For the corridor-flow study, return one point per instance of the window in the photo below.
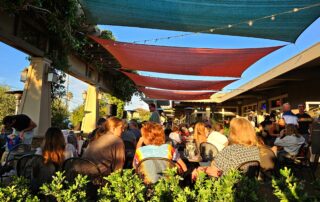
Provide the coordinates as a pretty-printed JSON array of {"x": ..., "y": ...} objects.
[{"x": 275, "y": 103}]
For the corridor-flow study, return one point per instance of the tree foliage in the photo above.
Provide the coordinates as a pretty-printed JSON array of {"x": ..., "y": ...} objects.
[
  {"x": 77, "y": 115},
  {"x": 144, "y": 115},
  {"x": 64, "y": 191},
  {"x": 7, "y": 102},
  {"x": 59, "y": 114}
]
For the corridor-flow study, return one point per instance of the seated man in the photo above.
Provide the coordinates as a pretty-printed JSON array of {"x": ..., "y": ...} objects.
[{"x": 22, "y": 125}]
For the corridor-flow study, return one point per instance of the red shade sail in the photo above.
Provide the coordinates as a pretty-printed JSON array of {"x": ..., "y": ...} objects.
[
  {"x": 175, "y": 95},
  {"x": 188, "y": 61},
  {"x": 176, "y": 84}
]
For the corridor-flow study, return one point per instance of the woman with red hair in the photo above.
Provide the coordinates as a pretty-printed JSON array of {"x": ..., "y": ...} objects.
[{"x": 153, "y": 138}]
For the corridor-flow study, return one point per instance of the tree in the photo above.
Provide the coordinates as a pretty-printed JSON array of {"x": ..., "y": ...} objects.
[
  {"x": 144, "y": 115},
  {"x": 59, "y": 114},
  {"x": 7, "y": 102},
  {"x": 111, "y": 100},
  {"x": 77, "y": 115}
]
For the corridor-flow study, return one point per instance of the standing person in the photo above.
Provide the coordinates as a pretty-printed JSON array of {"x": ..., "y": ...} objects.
[
  {"x": 288, "y": 116},
  {"x": 23, "y": 126},
  {"x": 127, "y": 134},
  {"x": 107, "y": 150},
  {"x": 133, "y": 127},
  {"x": 304, "y": 121},
  {"x": 155, "y": 117}
]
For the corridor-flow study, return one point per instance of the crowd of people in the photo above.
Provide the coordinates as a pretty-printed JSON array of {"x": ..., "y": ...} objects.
[{"x": 108, "y": 145}]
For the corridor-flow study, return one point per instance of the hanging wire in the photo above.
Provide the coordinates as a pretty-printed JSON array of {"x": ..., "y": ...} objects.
[{"x": 229, "y": 26}]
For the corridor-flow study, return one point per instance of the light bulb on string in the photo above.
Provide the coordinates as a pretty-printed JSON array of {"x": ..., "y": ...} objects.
[
  {"x": 250, "y": 23},
  {"x": 229, "y": 26},
  {"x": 295, "y": 9},
  {"x": 273, "y": 18},
  {"x": 211, "y": 30}
]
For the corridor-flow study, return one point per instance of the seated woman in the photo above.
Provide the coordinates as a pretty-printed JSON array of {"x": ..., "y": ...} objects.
[
  {"x": 54, "y": 152},
  {"x": 107, "y": 150},
  {"x": 200, "y": 133},
  {"x": 290, "y": 141},
  {"x": 243, "y": 147},
  {"x": 154, "y": 139},
  {"x": 217, "y": 138},
  {"x": 175, "y": 135},
  {"x": 54, "y": 148}
]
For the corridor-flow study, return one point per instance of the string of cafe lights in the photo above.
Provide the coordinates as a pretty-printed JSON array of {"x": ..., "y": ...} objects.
[{"x": 229, "y": 26}]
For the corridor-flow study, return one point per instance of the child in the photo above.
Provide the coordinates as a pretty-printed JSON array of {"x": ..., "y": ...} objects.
[{"x": 11, "y": 141}]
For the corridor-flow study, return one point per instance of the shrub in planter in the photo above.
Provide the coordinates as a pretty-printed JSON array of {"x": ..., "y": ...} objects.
[
  {"x": 17, "y": 190},
  {"x": 168, "y": 189},
  {"x": 123, "y": 186},
  {"x": 62, "y": 191},
  {"x": 288, "y": 188}
]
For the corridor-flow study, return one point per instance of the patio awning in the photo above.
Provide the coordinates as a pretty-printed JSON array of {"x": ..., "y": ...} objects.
[
  {"x": 201, "y": 16},
  {"x": 176, "y": 95},
  {"x": 177, "y": 84},
  {"x": 187, "y": 61}
]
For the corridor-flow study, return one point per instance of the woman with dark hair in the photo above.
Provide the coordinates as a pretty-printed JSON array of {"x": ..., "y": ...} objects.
[
  {"x": 54, "y": 147},
  {"x": 107, "y": 150},
  {"x": 154, "y": 140}
]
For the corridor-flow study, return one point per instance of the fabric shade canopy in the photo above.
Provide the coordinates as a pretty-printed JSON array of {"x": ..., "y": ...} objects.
[
  {"x": 175, "y": 95},
  {"x": 176, "y": 84},
  {"x": 199, "y": 16},
  {"x": 187, "y": 61}
]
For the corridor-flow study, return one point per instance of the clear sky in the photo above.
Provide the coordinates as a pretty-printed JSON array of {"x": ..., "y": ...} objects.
[{"x": 12, "y": 61}]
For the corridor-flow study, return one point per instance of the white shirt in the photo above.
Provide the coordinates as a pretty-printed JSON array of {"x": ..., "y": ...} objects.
[
  {"x": 290, "y": 118},
  {"x": 290, "y": 143},
  {"x": 217, "y": 139},
  {"x": 176, "y": 137}
]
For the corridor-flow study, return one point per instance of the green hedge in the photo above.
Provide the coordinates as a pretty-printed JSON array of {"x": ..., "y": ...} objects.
[{"x": 126, "y": 186}]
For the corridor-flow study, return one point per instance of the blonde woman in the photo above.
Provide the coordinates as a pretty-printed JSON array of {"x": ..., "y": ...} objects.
[
  {"x": 200, "y": 133},
  {"x": 243, "y": 146}
]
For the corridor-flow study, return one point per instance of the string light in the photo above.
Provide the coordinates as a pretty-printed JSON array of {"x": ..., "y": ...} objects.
[{"x": 250, "y": 23}]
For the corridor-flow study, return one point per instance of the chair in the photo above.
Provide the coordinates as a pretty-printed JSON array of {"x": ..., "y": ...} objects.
[
  {"x": 250, "y": 168},
  {"x": 130, "y": 151},
  {"x": 300, "y": 161},
  {"x": 22, "y": 163},
  {"x": 14, "y": 154},
  {"x": 75, "y": 166},
  {"x": 208, "y": 151},
  {"x": 34, "y": 168},
  {"x": 151, "y": 169}
]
